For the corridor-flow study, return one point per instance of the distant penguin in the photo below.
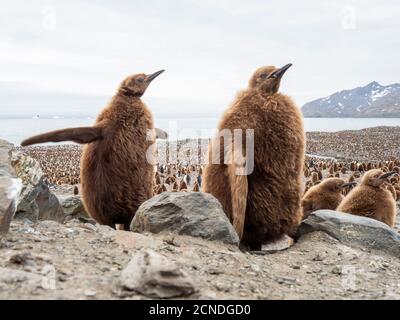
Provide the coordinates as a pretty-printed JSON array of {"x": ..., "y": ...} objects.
[
  {"x": 325, "y": 195},
  {"x": 170, "y": 180},
  {"x": 314, "y": 177},
  {"x": 182, "y": 185},
  {"x": 187, "y": 179},
  {"x": 199, "y": 180},
  {"x": 115, "y": 172},
  {"x": 157, "y": 179},
  {"x": 196, "y": 187},
  {"x": 371, "y": 198},
  {"x": 263, "y": 204}
]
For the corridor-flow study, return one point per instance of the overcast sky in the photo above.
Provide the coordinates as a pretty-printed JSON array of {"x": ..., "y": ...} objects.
[{"x": 209, "y": 48}]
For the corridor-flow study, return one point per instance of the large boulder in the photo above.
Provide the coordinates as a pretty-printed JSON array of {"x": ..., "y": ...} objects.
[
  {"x": 353, "y": 230},
  {"x": 195, "y": 214},
  {"x": 10, "y": 187},
  {"x": 36, "y": 202}
]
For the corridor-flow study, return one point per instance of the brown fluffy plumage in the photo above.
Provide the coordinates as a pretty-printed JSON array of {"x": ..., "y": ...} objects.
[
  {"x": 115, "y": 173},
  {"x": 264, "y": 205},
  {"x": 371, "y": 198},
  {"x": 325, "y": 195}
]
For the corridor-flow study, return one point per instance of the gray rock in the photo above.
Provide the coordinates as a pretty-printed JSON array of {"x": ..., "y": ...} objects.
[
  {"x": 36, "y": 202},
  {"x": 10, "y": 187},
  {"x": 10, "y": 276},
  {"x": 353, "y": 230},
  {"x": 195, "y": 214},
  {"x": 73, "y": 207},
  {"x": 155, "y": 276}
]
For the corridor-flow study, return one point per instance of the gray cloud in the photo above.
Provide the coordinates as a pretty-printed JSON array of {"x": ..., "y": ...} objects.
[{"x": 209, "y": 48}]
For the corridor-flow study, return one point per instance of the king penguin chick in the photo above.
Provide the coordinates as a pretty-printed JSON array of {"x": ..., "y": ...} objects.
[
  {"x": 261, "y": 201},
  {"x": 325, "y": 195},
  {"x": 116, "y": 173},
  {"x": 371, "y": 198}
]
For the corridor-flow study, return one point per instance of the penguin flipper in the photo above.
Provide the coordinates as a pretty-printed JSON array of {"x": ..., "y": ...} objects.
[{"x": 79, "y": 135}]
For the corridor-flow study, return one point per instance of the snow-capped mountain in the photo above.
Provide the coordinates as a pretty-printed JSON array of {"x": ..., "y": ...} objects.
[{"x": 373, "y": 100}]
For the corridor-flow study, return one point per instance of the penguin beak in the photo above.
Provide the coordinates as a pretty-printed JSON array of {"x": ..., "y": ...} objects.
[
  {"x": 350, "y": 184},
  {"x": 277, "y": 74},
  {"x": 154, "y": 75},
  {"x": 387, "y": 175}
]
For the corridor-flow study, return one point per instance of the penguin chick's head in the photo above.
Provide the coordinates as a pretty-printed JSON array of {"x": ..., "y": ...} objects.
[
  {"x": 376, "y": 177},
  {"x": 137, "y": 84},
  {"x": 335, "y": 184},
  {"x": 267, "y": 79}
]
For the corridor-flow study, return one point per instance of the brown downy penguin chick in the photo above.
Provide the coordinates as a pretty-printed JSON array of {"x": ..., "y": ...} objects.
[
  {"x": 158, "y": 179},
  {"x": 314, "y": 177},
  {"x": 116, "y": 175},
  {"x": 182, "y": 185},
  {"x": 263, "y": 204},
  {"x": 371, "y": 198},
  {"x": 325, "y": 195},
  {"x": 196, "y": 187}
]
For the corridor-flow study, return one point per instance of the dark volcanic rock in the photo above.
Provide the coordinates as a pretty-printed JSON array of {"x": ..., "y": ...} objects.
[
  {"x": 353, "y": 230},
  {"x": 195, "y": 214}
]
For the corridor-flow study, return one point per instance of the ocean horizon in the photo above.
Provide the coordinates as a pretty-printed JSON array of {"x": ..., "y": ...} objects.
[{"x": 15, "y": 129}]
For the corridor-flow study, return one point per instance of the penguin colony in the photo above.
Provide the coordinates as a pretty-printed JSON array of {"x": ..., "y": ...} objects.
[{"x": 326, "y": 183}]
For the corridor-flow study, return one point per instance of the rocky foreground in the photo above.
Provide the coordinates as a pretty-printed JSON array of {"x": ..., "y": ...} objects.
[
  {"x": 182, "y": 246},
  {"x": 77, "y": 260}
]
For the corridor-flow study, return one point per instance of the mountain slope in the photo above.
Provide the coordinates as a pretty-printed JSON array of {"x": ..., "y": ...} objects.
[{"x": 372, "y": 100}]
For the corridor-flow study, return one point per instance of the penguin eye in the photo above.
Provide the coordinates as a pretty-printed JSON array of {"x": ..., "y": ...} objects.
[
  {"x": 140, "y": 80},
  {"x": 263, "y": 76}
]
